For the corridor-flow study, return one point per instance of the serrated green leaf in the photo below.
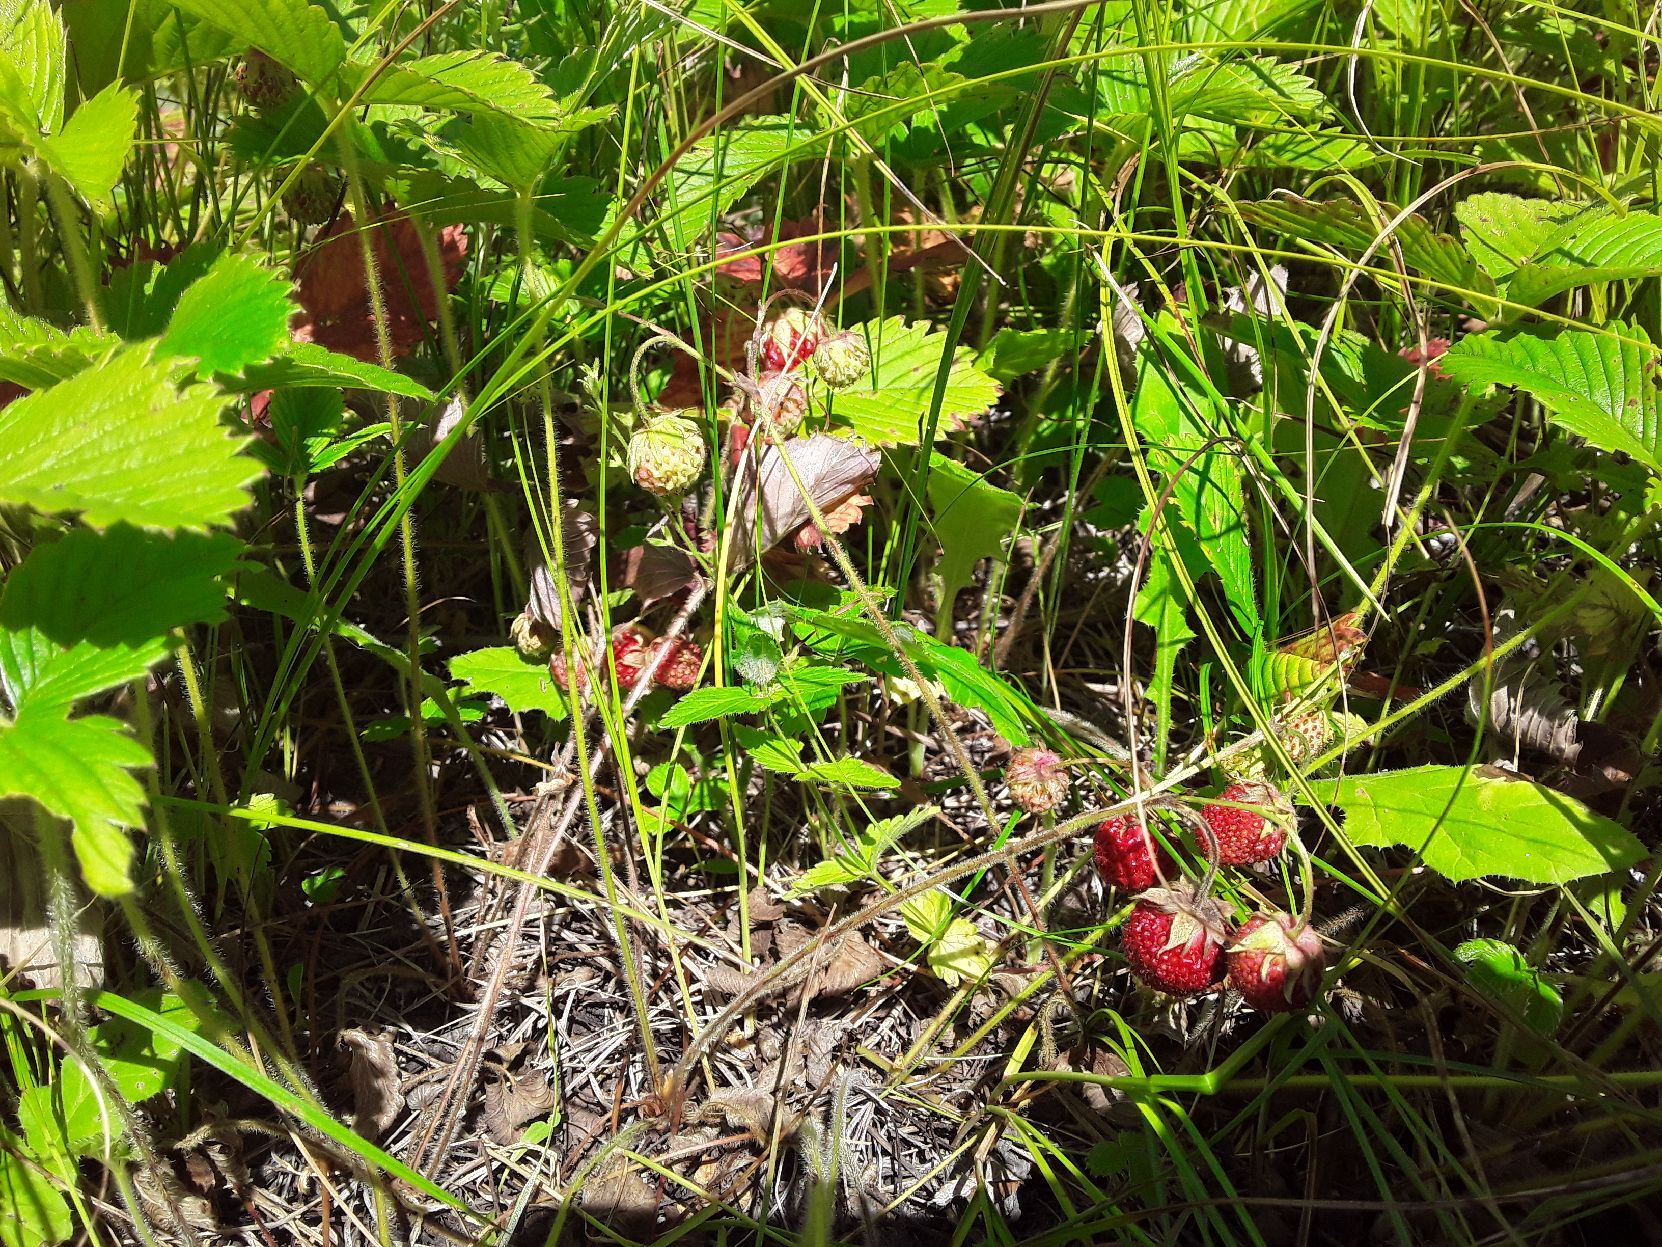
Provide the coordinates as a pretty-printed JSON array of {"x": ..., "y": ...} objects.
[
  {"x": 971, "y": 518},
  {"x": 709, "y": 179},
  {"x": 94, "y": 145},
  {"x": 704, "y": 704},
  {"x": 1586, "y": 252},
  {"x": 1596, "y": 385},
  {"x": 299, "y": 35},
  {"x": 32, "y": 50},
  {"x": 124, "y": 444},
  {"x": 773, "y": 753},
  {"x": 37, "y": 1214},
  {"x": 462, "y": 81},
  {"x": 834, "y": 872},
  {"x": 36, "y": 355},
  {"x": 523, "y": 686},
  {"x": 1500, "y": 972},
  {"x": 124, "y": 586},
  {"x": 1172, "y": 419},
  {"x": 849, "y": 771},
  {"x": 237, "y": 314},
  {"x": 307, "y": 364},
  {"x": 1467, "y": 824},
  {"x": 1319, "y": 150},
  {"x": 78, "y": 769},
  {"x": 889, "y": 406},
  {"x": 1504, "y": 232}
]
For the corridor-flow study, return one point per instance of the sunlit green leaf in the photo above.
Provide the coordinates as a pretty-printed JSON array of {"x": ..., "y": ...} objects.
[{"x": 1469, "y": 823}]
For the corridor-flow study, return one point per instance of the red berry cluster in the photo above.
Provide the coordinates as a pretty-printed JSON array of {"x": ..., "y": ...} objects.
[
  {"x": 1179, "y": 942},
  {"x": 632, "y": 648}
]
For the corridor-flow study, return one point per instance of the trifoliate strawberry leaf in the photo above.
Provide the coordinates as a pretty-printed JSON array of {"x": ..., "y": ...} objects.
[
  {"x": 236, "y": 315},
  {"x": 889, "y": 406},
  {"x": 77, "y": 769},
  {"x": 1596, "y": 385},
  {"x": 123, "y": 443},
  {"x": 91, "y": 149},
  {"x": 1469, "y": 823},
  {"x": 522, "y": 685}
]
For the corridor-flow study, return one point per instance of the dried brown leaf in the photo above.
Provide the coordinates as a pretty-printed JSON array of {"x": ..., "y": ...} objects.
[
  {"x": 832, "y": 470},
  {"x": 618, "y": 1194},
  {"x": 376, "y": 1097},
  {"x": 513, "y": 1099}
]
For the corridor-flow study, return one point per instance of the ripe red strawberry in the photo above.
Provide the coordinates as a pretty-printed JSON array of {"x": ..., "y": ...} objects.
[
  {"x": 1126, "y": 855},
  {"x": 628, "y": 644},
  {"x": 680, "y": 669},
  {"x": 1247, "y": 835},
  {"x": 1276, "y": 963},
  {"x": 1174, "y": 942},
  {"x": 792, "y": 337}
]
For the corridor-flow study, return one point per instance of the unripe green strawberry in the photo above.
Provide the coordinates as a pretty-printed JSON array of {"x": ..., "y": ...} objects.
[
  {"x": 780, "y": 406},
  {"x": 1247, "y": 835},
  {"x": 1174, "y": 941},
  {"x": 791, "y": 338},
  {"x": 1126, "y": 855},
  {"x": 313, "y": 198},
  {"x": 264, "y": 83},
  {"x": 534, "y": 639},
  {"x": 666, "y": 454},
  {"x": 1276, "y": 963},
  {"x": 842, "y": 359},
  {"x": 1037, "y": 779},
  {"x": 1305, "y": 735}
]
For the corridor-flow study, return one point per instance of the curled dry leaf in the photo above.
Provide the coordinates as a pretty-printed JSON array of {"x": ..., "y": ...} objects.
[
  {"x": 465, "y": 466},
  {"x": 514, "y": 1099},
  {"x": 376, "y": 1097},
  {"x": 1246, "y": 369},
  {"x": 796, "y": 265},
  {"x": 579, "y": 534},
  {"x": 833, "y": 470},
  {"x": 334, "y": 294}
]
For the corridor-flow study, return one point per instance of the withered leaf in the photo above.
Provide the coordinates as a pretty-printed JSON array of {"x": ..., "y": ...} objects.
[
  {"x": 513, "y": 1099},
  {"x": 831, "y": 470},
  {"x": 619, "y": 1195},
  {"x": 579, "y": 534},
  {"x": 376, "y": 1097}
]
